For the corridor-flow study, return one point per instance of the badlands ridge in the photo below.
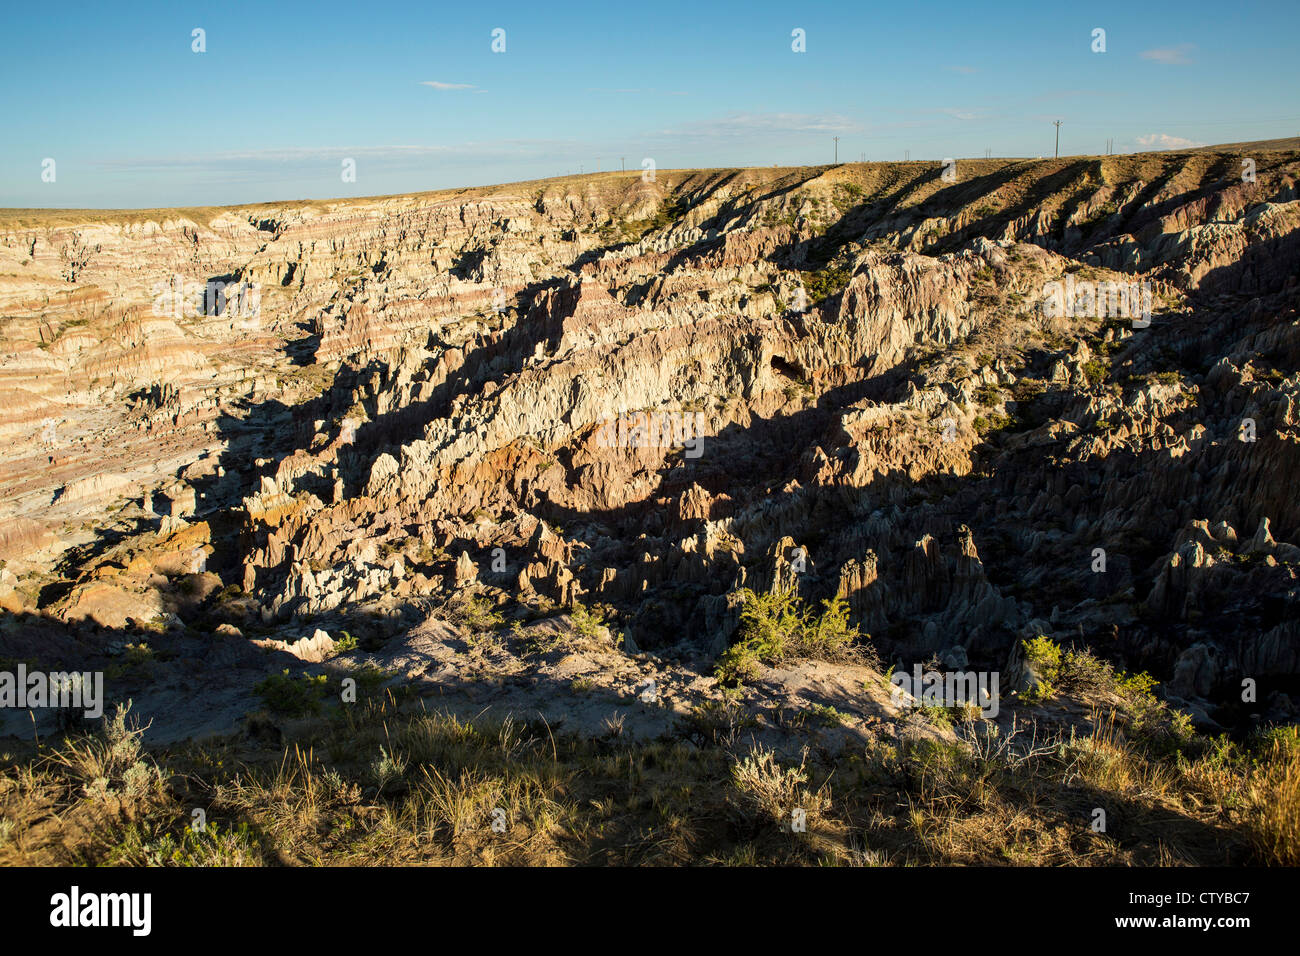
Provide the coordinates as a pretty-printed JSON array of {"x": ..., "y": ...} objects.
[{"x": 599, "y": 392}]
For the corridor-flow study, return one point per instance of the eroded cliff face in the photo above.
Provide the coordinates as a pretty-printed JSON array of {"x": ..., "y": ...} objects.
[{"x": 860, "y": 380}]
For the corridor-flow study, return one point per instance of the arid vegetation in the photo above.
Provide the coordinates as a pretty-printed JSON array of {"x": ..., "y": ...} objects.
[{"x": 388, "y": 782}]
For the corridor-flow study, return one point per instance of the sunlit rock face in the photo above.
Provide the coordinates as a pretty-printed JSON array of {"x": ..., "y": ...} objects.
[{"x": 1049, "y": 398}]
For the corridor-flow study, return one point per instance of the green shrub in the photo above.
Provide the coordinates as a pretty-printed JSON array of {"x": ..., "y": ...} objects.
[
  {"x": 827, "y": 716},
  {"x": 776, "y": 626},
  {"x": 1095, "y": 371},
  {"x": 1044, "y": 659},
  {"x": 991, "y": 423},
  {"x": 633, "y": 229},
  {"x": 831, "y": 633},
  {"x": 824, "y": 283},
  {"x": 846, "y": 196},
  {"x": 1266, "y": 740},
  {"x": 1081, "y": 672},
  {"x": 937, "y": 716},
  {"x": 1028, "y": 389},
  {"x": 478, "y": 615},
  {"x": 293, "y": 697},
  {"x": 587, "y": 622},
  {"x": 212, "y": 846}
]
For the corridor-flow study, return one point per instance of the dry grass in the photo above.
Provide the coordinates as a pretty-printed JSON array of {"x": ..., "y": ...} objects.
[
  {"x": 384, "y": 782},
  {"x": 771, "y": 792},
  {"x": 1274, "y": 799}
]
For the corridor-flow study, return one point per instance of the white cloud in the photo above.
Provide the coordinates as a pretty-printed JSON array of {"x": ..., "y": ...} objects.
[
  {"x": 1165, "y": 141},
  {"x": 437, "y": 85},
  {"x": 1170, "y": 55}
]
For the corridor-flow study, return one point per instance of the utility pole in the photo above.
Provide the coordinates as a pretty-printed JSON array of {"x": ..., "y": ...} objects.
[
  {"x": 864, "y": 157},
  {"x": 837, "y": 148},
  {"x": 907, "y": 155},
  {"x": 623, "y": 162},
  {"x": 1057, "y": 124},
  {"x": 988, "y": 153}
]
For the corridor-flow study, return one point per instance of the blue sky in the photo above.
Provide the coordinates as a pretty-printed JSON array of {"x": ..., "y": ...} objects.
[{"x": 285, "y": 92}]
